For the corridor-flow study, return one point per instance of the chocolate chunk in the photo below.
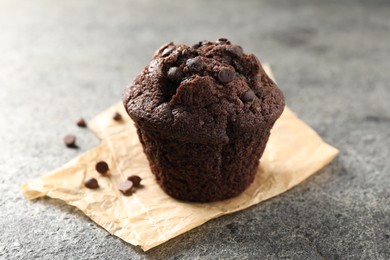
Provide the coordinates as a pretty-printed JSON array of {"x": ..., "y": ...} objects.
[
  {"x": 101, "y": 167},
  {"x": 91, "y": 183},
  {"x": 167, "y": 51},
  {"x": 70, "y": 141},
  {"x": 135, "y": 179},
  {"x": 117, "y": 116},
  {"x": 126, "y": 187},
  {"x": 236, "y": 50},
  {"x": 195, "y": 64},
  {"x": 248, "y": 96},
  {"x": 81, "y": 122},
  {"x": 175, "y": 74},
  {"x": 225, "y": 75}
]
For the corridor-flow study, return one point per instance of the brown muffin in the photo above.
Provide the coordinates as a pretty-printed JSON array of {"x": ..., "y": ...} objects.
[{"x": 204, "y": 115}]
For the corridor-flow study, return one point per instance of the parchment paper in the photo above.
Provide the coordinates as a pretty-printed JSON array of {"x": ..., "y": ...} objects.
[{"x": 149, "y": 217}]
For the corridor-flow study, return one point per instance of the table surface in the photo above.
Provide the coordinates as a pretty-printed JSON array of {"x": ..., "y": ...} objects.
[{"x": 63, "y": 59}]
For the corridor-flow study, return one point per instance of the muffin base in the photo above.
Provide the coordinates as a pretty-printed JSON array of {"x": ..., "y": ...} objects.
[{"x": 205, "y": 172}]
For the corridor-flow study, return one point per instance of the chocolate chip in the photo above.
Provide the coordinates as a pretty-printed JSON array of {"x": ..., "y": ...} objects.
[
  {"x": 195, "y": 64},
  {"x": 236, "y": 50},
  {"x": 81, "y": 122},
  {"x": 248, "y": 96},
  {"x": 164, "y": 46},
  {"x": 101, "y": 167},
  {"x": 225, "y": 75},
  {"x": 91, "y": 183},
  {"x": 126, "y": 187},
  {"x": 70, "y": 141},
  {"x": 135, "y": 179},
  {"x": 223, "y": 41},
  {"x": 117, "y": 116},
  {"x": 175, "y": 74},
  {"x": 167, "y": 51},
  {"x": 197, "y": 45}
]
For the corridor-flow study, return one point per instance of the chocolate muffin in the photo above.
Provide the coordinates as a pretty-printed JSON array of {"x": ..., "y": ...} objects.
[{"x": 204, "y": 115}]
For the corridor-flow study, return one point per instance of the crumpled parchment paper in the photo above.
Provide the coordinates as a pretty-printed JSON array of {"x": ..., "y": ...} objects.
[{"x": 149, "y": 217}]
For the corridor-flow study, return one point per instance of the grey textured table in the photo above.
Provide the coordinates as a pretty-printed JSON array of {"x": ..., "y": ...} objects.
[{"x": 63, "y": 59}]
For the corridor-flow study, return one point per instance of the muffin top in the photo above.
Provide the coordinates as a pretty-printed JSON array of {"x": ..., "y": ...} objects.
[{"x": 200, "y": 93}]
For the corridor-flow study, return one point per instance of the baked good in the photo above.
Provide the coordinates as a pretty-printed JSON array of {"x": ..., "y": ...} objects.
[{"x": 204, "y": 115}]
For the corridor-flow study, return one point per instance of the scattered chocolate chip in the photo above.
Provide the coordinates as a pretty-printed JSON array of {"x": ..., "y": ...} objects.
[
  {"x": 117, "y": 116},
  {"x": 91, "y": 183},
  {"x": 225, "y": 75},
  {"x": 167, "y": 51},
  {"x": 135, "y": 179},
  {"x": 70, "y": 141},
  {"x": 81, "y": 122},
  {"x": 101, "y": 167},
  {"x": 126, "y": 187},
  {"x": 236, "y": 50},
  {"x": 175, "y": 74},
  {"x": 195, "y": 64},
  {"x": 248, "y": 96}
]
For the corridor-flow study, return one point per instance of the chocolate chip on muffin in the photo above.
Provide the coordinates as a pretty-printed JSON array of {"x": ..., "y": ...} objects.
[
  {"x": 195, "y": 64},
  {"x": 225, "y": 75},
  {"x": 248, "y": 96},
  {"x": 223, "y": 41},
  {"x": 175, "y": 74},
  {"x": 236, "y": 50},
  {"x": 167, "y": 51}
]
